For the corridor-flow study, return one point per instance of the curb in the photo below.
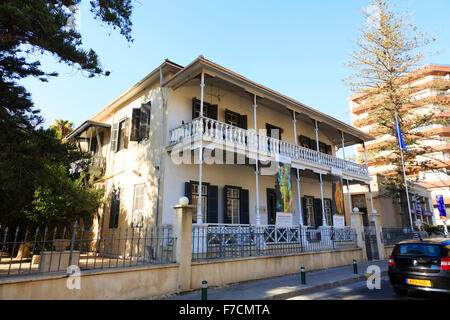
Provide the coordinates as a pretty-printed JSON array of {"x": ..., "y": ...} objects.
[{"x": 320, "y": 287}]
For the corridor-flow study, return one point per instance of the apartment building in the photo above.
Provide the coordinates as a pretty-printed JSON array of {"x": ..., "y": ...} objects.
[
  {"x": 432, "y": 83},
  {"x": 225, "y": 142}
]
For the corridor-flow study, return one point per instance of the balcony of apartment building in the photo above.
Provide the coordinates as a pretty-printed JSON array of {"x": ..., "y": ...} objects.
[
  {"x": 90, "y": 137},
  {"x": 270, "y": 141}
]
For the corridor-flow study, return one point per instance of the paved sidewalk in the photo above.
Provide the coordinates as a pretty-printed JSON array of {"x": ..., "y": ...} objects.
[{"x": 284, "y": 287}]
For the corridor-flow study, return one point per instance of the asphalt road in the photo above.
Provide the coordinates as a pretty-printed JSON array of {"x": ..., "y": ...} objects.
[{"x": 360, "y": 291}]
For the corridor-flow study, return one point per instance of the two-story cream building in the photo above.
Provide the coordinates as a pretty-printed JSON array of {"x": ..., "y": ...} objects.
[{"x": 210, "y": 134}]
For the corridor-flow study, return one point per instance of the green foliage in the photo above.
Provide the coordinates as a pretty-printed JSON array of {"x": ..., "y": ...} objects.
[
  {"x": 60, "y": 200},
  {"x": 390, "y": 48},
  {"x": 41, "y": 26}
]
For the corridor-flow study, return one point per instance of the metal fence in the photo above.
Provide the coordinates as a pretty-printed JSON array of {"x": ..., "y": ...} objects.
[
  {"x": 393, "y": 235},
  {"x": 221, "y": 241},
  {"x": 45, "y": 250}
]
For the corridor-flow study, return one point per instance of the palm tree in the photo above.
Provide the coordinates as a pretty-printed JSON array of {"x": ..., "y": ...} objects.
[{"x": 62, "y": 127}]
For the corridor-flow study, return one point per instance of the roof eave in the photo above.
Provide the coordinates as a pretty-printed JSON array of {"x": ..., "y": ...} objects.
[{"x": 201, "y": 64}]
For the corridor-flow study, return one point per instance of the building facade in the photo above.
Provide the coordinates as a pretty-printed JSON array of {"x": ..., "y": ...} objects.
[
  {"x": 432, "y": 83},
  {"x": 225, "y": 142}
]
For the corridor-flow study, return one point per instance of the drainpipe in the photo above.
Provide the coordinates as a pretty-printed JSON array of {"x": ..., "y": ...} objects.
[
  {"x": 300, "y": 214},
  {"x": 200, "y": 156},
  {"x": 367, "y": 168},
  {"x": 348, "y": 187}
]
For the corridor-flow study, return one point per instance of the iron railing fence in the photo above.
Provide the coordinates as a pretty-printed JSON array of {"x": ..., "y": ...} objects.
[
  {"x": 53, "y": 250},
  {"x": 222, "y": 241},
  {"x": 393, "y": 235}
]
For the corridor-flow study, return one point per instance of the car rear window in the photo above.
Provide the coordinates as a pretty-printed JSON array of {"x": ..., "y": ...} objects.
[{"x": 418, "y": 249}]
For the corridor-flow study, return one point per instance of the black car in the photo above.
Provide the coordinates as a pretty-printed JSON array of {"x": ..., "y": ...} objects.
[{"x": 420, "y": 265}]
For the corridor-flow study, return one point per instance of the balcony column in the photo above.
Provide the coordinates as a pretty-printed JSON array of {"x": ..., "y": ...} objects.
[
  {"x": 300, "y": 214},
  {"x": 200, "y": 156},
  {"x": 348, "y": 187},
  {"x": 370, "y": 189},
  {"x": 257, "y": 216},
  {"x": 99, "y": 143},
  {"x": 324, "y": 220}
]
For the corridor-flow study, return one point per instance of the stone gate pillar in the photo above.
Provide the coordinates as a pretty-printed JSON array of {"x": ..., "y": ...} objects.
[{"x": 374, "y": 217}]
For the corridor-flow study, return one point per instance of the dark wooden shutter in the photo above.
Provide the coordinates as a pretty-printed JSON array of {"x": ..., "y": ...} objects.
[
  {"x": 188, "y": 191},
  {"x": 94, "y": 144},
  {"x": 318, "y": 212},
  {"x": 226, "y": 218},
  {"x": 114, "y": 210},
  {"x": 195, "y": 108},
  {"x": 304, "y": 141},
  {"x": 322, "y": 147},
  {"x": 304, "y": 213},
  {"x": 244, "y": 217},
  {"x": 135, "y": 124},
  {"x": 114, "y": 136},
  {"x": 211, "y": 111},
  {"x": 212, "y": 215},
  {"x": 243, "y": 121},
  {"x": 144, "y": 121}
]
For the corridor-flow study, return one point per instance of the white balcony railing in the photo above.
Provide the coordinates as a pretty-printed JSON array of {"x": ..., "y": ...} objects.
[{"x": 219, "y": 132}]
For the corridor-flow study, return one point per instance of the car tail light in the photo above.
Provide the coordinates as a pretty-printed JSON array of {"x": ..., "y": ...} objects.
[
  {"x": 391, "y": 262},
  {"x": 445, "y": 264}
]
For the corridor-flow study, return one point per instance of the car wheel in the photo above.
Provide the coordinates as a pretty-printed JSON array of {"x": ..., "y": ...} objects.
[{"x": 400, "y": 291}]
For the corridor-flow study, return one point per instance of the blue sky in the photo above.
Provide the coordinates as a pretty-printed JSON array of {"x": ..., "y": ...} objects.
[{"x": 295, "y": 47}]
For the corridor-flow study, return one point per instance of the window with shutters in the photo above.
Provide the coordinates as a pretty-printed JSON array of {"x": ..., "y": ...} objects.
[
  {"x": 309, "y": 211},
  {"x": 114, "y": 209},
  {"x": 311, "y": 144},
  {"x": 235, "y": 119},
  {"x": 304, "y": 141},
  {"x": 322, "y": 147},
  {"x": 328, "y": 212},
  {"x": 273, "y": 131},
  {"x": 232, "y": 118},
  {"x": 233, "y": 205},
  {"x": 138, "y": 206},
  {"x": 195, "y": 195},
  {"x": 209, "y": 110},
  {"x": 144, "y": 128}
]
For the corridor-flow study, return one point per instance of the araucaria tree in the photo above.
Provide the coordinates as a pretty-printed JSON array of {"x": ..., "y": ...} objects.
[{"x": 385, "y": 65}]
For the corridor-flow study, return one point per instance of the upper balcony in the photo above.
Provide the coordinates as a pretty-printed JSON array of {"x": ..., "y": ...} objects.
[{"x": 213, "y": 134}]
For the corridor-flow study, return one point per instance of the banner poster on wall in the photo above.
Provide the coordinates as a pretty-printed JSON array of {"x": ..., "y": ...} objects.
[
  {"x": 441, "y": 207},
  {"x": 338, "y": 201},
  {"x": 283, "y": 188}
]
